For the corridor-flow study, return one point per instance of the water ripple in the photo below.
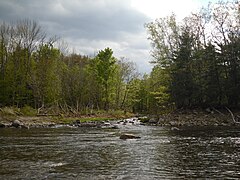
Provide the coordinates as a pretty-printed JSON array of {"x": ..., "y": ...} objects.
[{"x": 91, "y": 153}]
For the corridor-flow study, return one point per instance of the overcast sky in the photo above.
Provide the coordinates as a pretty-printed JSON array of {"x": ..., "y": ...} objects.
[{"x": 91, "y": 25}]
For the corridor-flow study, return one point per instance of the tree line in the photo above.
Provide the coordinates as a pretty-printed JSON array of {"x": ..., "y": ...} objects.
[
  {"x": 197, "y": 60},
  {"x": 35, "y": 73},
  {"x": 197, "y": 64}
]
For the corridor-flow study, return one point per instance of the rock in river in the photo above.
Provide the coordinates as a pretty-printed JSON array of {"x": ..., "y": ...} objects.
[
  {"x": 129, "y": 136},
  {"x": 16, "y": 123},
  {"x": 2, "y": 125},
  {"x": 174, "y": 129}
]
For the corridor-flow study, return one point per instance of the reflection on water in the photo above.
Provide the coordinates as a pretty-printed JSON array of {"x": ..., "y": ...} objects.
[{"x": 90, "y": 153}]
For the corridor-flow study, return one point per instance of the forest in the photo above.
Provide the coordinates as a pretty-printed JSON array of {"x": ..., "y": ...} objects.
[{"x": 196, "y": 64}]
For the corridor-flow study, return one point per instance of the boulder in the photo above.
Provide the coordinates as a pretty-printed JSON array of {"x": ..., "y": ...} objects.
[
  {"x": 77, "y": 121},
  {"x": 144, "y": 119},
  {"x": 124, "y": 123},
  {"x": 115, "y": 127},
  {"x": 107, "y": 124},
  {"x": 24, "y": 126},
  {"x": 174, "y": 129},
  {"x": 2, "y": 125},
  {"x": 16, "y": 123},
  {"x": 110, "y": 127},
  {"x": 129, "y": 136},
  {"x": 153, "y": 121},
  {"x": 51, "y": 125}
]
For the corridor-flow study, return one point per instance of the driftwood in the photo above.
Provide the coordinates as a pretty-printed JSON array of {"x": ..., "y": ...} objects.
[
  {"x": 218, "y": 111},
  {"x": 232, "y": 115},
  {"x": 39, "y": 109}
]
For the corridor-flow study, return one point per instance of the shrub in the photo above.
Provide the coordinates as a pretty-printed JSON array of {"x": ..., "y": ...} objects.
[{"x": 28, "y": 111}]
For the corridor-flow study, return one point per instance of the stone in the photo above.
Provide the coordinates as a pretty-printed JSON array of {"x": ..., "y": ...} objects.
[
  {"x": 51, "y": 125},
  {"x": 129, "y": 136},
  {"x": 153, "y": 120},
  {"x": 77, "y": 122},
  {"x": 24, "y": 127},
  {"x": 115, "y": 127},
  {"x": 2, "y": 125},
  {"x": 175, "y": 129},
  {"x": 16, "y": 123},
  {"x": 107, "y": 124}
]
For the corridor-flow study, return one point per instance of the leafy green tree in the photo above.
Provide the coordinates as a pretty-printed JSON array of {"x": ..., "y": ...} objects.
[
  {"x": 125, "y": 72},
  {"x": 17, "y": 78},
  {"x": 74, "y": 82},
  {"x": 105, "y": 67},
  {"x": 164, "y": 37},
  {"x": 159, "y": 91},
  {"x": 201, "y": 55},
  {"x": 46, "y": 80}
]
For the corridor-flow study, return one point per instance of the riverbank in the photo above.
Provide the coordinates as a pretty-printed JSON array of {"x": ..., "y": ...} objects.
[
  {"x": 11, "y": 118},
  {"x": 177, "y": 118},
  {"x": 195, "y": 117}
]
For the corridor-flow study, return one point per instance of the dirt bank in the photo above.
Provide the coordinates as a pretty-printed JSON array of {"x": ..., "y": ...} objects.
[
  {"x": 19, "y": 121},
  {"x": 177, "y": 118},
  {"x": 196, "y": 117}
]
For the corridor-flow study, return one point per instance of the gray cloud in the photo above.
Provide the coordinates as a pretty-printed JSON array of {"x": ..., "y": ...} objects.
[{"x": 87, "y": 25}]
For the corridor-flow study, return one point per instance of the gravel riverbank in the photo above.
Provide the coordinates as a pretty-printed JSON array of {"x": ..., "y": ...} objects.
[{"x": 178, "y": 118}]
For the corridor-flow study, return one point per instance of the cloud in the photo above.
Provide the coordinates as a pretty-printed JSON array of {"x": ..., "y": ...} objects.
[
  {"x": 156, "y": 8},
  {"x": 91, "y": 25},
  {"x": 87, "y": 25}
]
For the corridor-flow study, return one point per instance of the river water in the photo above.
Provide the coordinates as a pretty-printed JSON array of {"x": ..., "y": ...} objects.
[{"x": 94, "y": 153}]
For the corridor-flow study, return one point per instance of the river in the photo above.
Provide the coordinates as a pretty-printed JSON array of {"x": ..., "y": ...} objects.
[{"x": 94, "y": 153}]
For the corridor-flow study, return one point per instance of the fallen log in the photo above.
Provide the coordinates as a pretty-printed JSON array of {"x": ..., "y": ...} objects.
[{"x": 232, "y": 115}]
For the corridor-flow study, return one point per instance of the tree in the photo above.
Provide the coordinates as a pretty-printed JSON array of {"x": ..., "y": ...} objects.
[
  {"x": 18, "y": 42},
  {"x": 105, "y": 67},
  {"x": 76, "y": 91},
  {"x": 125, "y": 73},
  {"x": 4, "y": 57},
  {"x": 201, "y": 55},
  {"x": 164, "y": 37},
  {"x": 46, "y": 80},
  {"x": 159, "y": 90},
  {"x": 182, "y": 79}
]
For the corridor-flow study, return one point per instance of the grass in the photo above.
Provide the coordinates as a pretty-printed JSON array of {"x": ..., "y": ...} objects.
[
  {"x": 11, "y": 113},
  {"x": 28, "y": 111},
  {"x": 69, "y": 120},
  {"x": 83, "y": 119}
]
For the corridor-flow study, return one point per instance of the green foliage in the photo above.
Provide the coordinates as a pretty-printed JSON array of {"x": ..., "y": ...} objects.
[
  {"x": 46, "y": 82},
  {"x": 28, "y": 111},
  {"x": 105, "y": 68},
  {"x": 9, "y": 111},
  {"x": 33, "y": 73},
  {"x": 200, "y": 55},
  {"x": 182, "y": 80},
  {"x": 196, "y": 64}
]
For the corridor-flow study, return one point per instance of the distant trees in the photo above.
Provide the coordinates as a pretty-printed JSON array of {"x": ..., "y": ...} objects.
[
  {"x": 200, "y": 55},
  {"x": 17, "y": 43},
  {"x": 45, "y": 76},
  {"x": 197, "y": 64},
  {"x": 33, "y": 72}
]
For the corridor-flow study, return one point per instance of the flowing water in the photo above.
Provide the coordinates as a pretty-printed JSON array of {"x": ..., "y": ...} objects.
[{"x": 94, "y": 153}]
